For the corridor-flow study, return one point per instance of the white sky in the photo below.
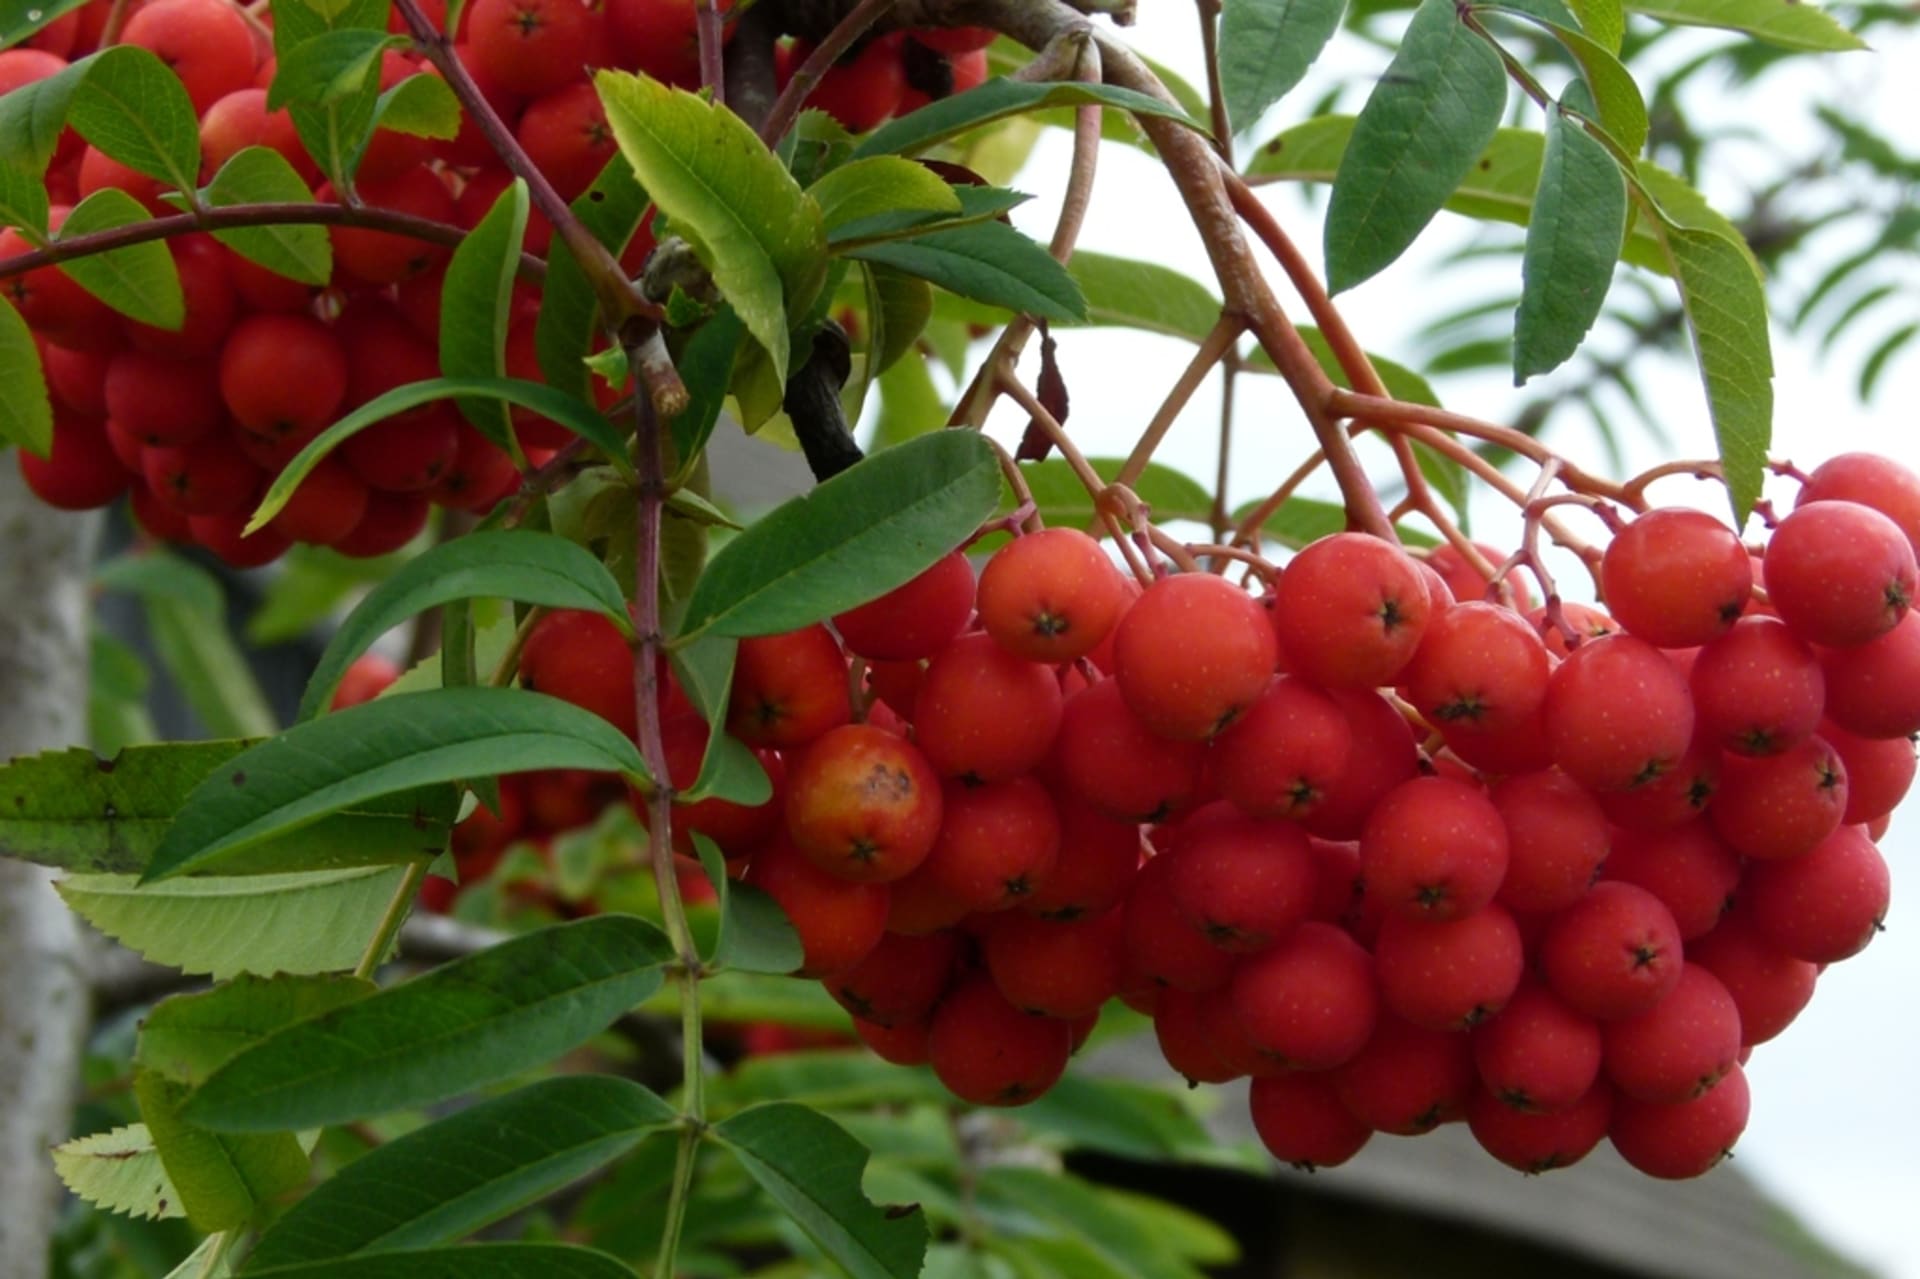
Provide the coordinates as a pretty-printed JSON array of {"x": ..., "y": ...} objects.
[{"x": 1835, "y": 1121}]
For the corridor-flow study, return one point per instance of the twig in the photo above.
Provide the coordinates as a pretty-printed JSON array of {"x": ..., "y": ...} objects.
[{"x": 786, "y": 108}]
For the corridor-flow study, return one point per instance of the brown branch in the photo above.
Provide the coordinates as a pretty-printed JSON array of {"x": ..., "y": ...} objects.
[
  {"x": 1217, "y": 346},
  {"x": 786, "y": 108}
]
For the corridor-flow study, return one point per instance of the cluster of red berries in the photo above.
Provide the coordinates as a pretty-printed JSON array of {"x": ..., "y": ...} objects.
[
  {"x": 193, "y": 425},
  {"x": 1401, "y": 854}
]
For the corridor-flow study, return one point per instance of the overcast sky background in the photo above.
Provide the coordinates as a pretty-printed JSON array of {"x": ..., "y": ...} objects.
[{"x": 1835, "y": 1125}]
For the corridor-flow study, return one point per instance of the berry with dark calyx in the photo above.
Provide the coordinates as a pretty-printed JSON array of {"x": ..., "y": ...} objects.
[
  {"x": 1279, "y": 758},
  {"x": 1191, "y": 654},
  {"x": 989, "y": 1053},
  {"x": 1161, "y": 945},
  {"x": 1681, "y": 1047},
  {"x": 1480, "y": 677},
  {"x": 1823, "y": 906},
  {"x": 1536, "y": 1142},
  {"x": 1618, "y": 715},
  {"x": 1244, "y": 883},
  {"x": 1685, "y": 1139},
  {"x": 983, "y": 714},
  {"x": 1058, "y": 968},
  {"x": 1879, "y": 772},
  {"x": 207, "y": 477},
  {"x": 403, "y": 455},
  {"x": 863, "y": 91},
  {"x": 1557, "y": 837},
  {"x": 863, "y": 803},
  {"x": 1577, "y": 624},
  {"x": 1687, "y": 867},
  {"x": 582, "y": 657},
  {"x": 1676, "y": 577},
  {"x": 282, "y": 375},
  {"x": 902, "y": 1045},
  {"x": 996, "y": 846},
  {"x": 1781, "y": 805},
  {"x": 207, "y": 292},
  {"x": 1871, "y": 480},
  {"x": 1681, "y": 794},
  {"x": 1350, "y": 610},
  {"x": 1302, "y": 1123},
  {"x": 226, "y": 536},
  {"x": 1449, "y": 974},
  {"x": 1051, "y": 595},
  {"x": 900, "y": 980},
  {"x": 1536, "y": 1054},
  {"x": 566, "y": 135},
  {"x": 1614, "y": 953},
  {"x": 1840, "y": 574},
  {"x": 1408, "y": 1080},
  {"x": 529, "y": 47},
  {"x": 788, "y": 689},
  {"x": 387, "y": 257},
  {"x": 1469, "y": 583},
  {"x": 1180, "y": 1028},
  {"x": 206, "y": 43},
  {"x": 1382, "y": 756},
  {"x": 1109, "y": 758},
  {"x": 1434, "y": 848},
  {"x": 915, "y": 620},
  {"x": 163, "y": 402},
  {"x": 80, "y": 471},
  {"x": 839, "y": 921},
  {"x": 1309, "y": 1000},
  {"x": 1097, "y": 861},
  {"x": 1757, "y": 689},
  {"x": 326, "y": 506}
]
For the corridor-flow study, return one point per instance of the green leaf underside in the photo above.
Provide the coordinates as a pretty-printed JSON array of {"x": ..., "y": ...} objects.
[
  {"x": 138, "y": 280},
  {"x": 752, "y": 226},
  {"x": 1573, "y": 242},
  {"x": 995, "y": 100},
  {"x": 871, "y": 528},
  {"x": 26, "y": 411},
  {"x": 421, "y": 105},
  {"x": 989, "y": 262},
  {"x": 332, "y": 134},
  {"x": 976, "y": 204},
  {"x": 811, "y": 1167},
  {"x": 520, "y": 565},
  {"x": 878, "y": 185},
  {"x": 1144, "y": 295},
  {"x": 468, "y": 1261},
  {"x": 467, "y": 1170},
  {"x": 576, "y": 415},
  {"x": 474, "y": 304},
  {"x": 1433, "y": 112},
  {"x": 469, "y": 1023},
  {"x": 378, "y": 748},
  {"x": 1726, "y": 313},
  {"x": 1787, "y": 23},
  {"x": 755, "y": 935},
  {"x": 188, "y": 1037},
  {"x": 261, "y": 175},
  {"x": 1604, "y": 20},
  {"x": 133, "y": 107},
  {"x": 569, "y": 312},
  {"x": 312, "y": 922},
  {"x": 1622, "y": 112},
  {"x": 75, "y": 811},
  {"x": 119, "y": 1171},
  {"x": 706, "y": 365},
  {"x": 224, "y": 1180},
  {"x": 1266, "y": 47}
]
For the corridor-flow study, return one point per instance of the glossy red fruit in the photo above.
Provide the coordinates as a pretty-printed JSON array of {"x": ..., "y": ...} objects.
[
  {"x": 326, "y": 507},
  {"x": 1381, "y": 757},
  {"x": 1614, "y": 953},
  {"x": 1301, "y": 1121},
  {"x": 365, "y": 679},
  {"x": 1534, "y": 1142},
  {"x": 1823, "y": 906},
  {"x": 1780, "y": 806},
  {"x": 1536, "y": 1054},
  {"x": 996, "y": 846},
  {"x": 1057, "y": 968},
  {"x": 1110, "y": 759},
  {"x": 391, "y": 521},
  {"x": 1243, "y": 883},
  {"x": 900, "y": 981},
  {"x": 565, "y": 133},
  {"x": 530, "y": 47},
  {"x": 1757, "y": 689},
  {"x": 1408, "y": 1080},
  {"x": 282, "y": 375},
  {"x": 1769, "y": 987},
  {"x": 1434, "y": 848},
  {"x": 208, "y": 477},
  {"x": 1097, "y": 860},
  {"x": 1871, "y": 480},
  {"x": 863, "y": 91},
  {"x": 581, "y": 657},
  {"x": 1468, "y": 583},
  {"x": 1681, "y": 1047},
  {"x": 915, "y": 620},
  {"x": 1281, "y": 757},
  {"x": 1557, "y": 837},
  {"x": 788, "y": 689},
  {"x": 1676, "y": 577},
  {"x": 990, "y": 1053},
  {"x": 1308, "y": 1001},
  {"x": 839, "y": 922},
  {"x": 163, "y": 402},
  {"x": 1350, "y": 611},
  {"x": 206, "y": 43},
  {"x": 1051, "y": 596},
  {"x": 386, "y": 257},
  {"x": 226, "y": 536},
  {"x": 1874, "y": 689},
  {"x": 1688, "y": 867},
  {"x": 80, "y": 471},
  {"x": 1675, "y": 1142},
  {"x": 1449, "y": 974},
  {"x": 1161, "y": 947},
  {"x": 206, "y": 286},
  {"x": 1619, "y": 716},
  {"x": 1191, "y": 654},
  {"x": 863, "y": 803},
  {"x": 983, "y": 714},
  {"x": 1840, "y": 574}
]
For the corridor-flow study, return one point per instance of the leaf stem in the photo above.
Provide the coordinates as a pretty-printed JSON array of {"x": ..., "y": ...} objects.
[{"x": 396, "y": 914}]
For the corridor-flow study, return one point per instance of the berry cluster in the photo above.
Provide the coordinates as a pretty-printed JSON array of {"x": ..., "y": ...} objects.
[
  {"x": 1402, "y": 854},
  {"x": 193, "y": 425}
]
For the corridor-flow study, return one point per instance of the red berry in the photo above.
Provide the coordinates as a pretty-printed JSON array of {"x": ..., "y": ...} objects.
[
  {"x": 990, "y": 1053},
  {"x": 1350, "y": 611},
  {"x": 1676, "y": 577},
  {"x": 1191, "y": 654},
  {"x": 1051, "y": 596},
  {"x": 1839, "y": 573},
  {"x": 915, "y": 620},
  {"x": 863, "y": 804}
]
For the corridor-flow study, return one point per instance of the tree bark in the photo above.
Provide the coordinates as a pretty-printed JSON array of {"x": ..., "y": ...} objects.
[{"x": 44, "y": 560}]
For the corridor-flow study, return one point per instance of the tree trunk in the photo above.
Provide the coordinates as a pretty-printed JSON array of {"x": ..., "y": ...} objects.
[{"x": 44, "y": 560}]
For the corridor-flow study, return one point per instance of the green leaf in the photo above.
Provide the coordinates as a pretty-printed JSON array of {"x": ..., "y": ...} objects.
[
  {"x": 334, "y": 134},
  {"x": 1132, "y": 1120},
  {"x": 1622, "y": 111},
  {"x": 188, "y": 1037},
  {"x": 377, "y": 748},
  {"x": 467, "y": 1024},
  {"x": 26, "y": 411},
  {"x": 261, "y": 175},
  {"x": 17, "y": 22},
  {"x": 997, "y": 99},
  {"x": 117, "y": 681},
  {"x": 989, "y": 262},
  {"x": 138, "y": 280},
  {"x": 898, "y": 309},
  {"x": 23, "y": 200},
  {"x": 33, "y": 116},
  {"x": 1572, "y": 245},
  {"x": 867, "y": 530},
  {"x": 1432, "y": 114},
  {"x": 1789, "y": 24},
  {"x": 811, "y": 1167},
  {"x": 466, "y": 1171},
  {"x": 468, "y": 1261},
  {"x": 224, "y": 1181},
  {"x": 1604, "y": 20},
  {"x": 1401, "y": 382},
  {"x": 420, "y": 105},
  {"x": 1144, "y": 295},
  {"x": 1876, "y": 362},
  {"x": 474, "y": 306},
  {"x": 76, "y": 811},
  {"x": 313, "y": 922},
  {"x": 752, "y": 226},
  {"x": 329, "y": 68},
  {"x": 133, "y": 107},
  {"x": 119, "y": 1171},
  {"x": 1029, "y": 1201},
  {"x": 1679, "y": 204},
  {"x": 977, "y": 204},
  {"x": 879, "y": 184},
  {"x": 209, "y": 1261},
  {"x": 521, "y": 565},
  {"x": 1266, "y": 47},
  {"x": 706, "y": 367},
  {"x": 575, "y": 414},
  {"x": 569, "y": 309},
  {"x": 910, "y": 405},
  {"x": 1726, "y": 313},
  {"x": 755, "y": 935}
]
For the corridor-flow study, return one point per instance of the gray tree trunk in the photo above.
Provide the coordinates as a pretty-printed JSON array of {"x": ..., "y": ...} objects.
[{"x": 44, "y": 560}]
